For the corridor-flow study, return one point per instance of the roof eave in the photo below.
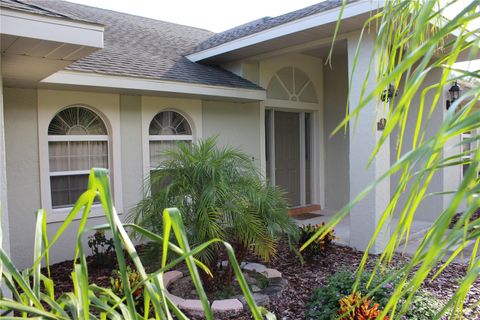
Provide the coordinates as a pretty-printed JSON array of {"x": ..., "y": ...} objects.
[
  {"x": 312, "y": 21},
  {"x": 153, "y": 86},
  {"x": 49, "y": 28}
]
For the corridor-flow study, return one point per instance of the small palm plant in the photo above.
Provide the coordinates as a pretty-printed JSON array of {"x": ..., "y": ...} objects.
[{"x": 221, "y": 195}]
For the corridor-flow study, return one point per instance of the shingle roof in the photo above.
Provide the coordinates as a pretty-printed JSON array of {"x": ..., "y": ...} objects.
[
  {"x": 266, "y": 23},
  {"x": 31, "y": 8},
  {"x": 145, "y": 48}
]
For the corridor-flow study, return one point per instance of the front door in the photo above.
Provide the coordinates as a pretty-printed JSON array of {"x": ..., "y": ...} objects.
[{"x": 288, "y": 153}]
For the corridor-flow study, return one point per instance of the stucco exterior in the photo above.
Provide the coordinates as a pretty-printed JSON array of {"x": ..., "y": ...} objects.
[
  {"x": 232, "y": 107},
  {"x": 337, "y": 178},
  {"x": 234, "y": 124}
]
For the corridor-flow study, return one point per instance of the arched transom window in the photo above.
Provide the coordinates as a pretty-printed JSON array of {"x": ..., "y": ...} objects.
[
  {"x": 166, "y": 129},
  {"x": 77, "y": 141},
  {"x": 292, "y": 84}
]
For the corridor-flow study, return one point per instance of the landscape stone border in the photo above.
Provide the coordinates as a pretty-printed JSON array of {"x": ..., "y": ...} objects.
[{"x": 233, "y": 305}]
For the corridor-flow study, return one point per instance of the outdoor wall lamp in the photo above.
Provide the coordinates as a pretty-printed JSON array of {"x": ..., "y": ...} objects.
[
  {"x": 389, "y": 93},
  {"x": 454, "y": 92}
]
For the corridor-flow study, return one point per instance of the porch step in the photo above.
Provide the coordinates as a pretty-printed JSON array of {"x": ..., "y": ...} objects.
[{"x": 301, "y": 210}]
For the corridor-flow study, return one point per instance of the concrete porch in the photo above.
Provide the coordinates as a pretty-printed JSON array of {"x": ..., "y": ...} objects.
[{"x": 418, "y": 231}]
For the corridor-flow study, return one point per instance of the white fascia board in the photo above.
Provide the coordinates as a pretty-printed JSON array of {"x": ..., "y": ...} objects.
[
  {"x": 40, "y": 27},
  {"x": 131, "y": 83},
  {"x": 308, "y": 22}
]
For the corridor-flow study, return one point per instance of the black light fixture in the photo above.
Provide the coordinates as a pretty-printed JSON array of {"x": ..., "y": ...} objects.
[
  {"x": 389, "y": 93},
  {"x": 454, "y": 92}
]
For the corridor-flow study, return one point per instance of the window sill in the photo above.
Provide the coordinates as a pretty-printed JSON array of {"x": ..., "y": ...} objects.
[{"x": 59, "y": 215}]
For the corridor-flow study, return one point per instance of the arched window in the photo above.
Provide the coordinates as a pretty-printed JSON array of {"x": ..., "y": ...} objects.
[
  {"x": 166, "y": 129},
  {"x": 77, "y": 141},
  {"x": 292, "y": 84}
]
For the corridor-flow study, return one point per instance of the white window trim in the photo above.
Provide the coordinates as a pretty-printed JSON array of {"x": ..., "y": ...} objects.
[
  {"x": 60, "y": 138},
  {"x": 191, "y": 109},
  {"x": 168, "y": 137},
  {"x": 179, "y": 137},
  {"x": 96, "y": 209},
  {"x": 50, "y": 102}
]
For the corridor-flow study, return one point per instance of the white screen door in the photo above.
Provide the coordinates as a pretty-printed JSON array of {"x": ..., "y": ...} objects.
[{"x": 288, "y": 150}]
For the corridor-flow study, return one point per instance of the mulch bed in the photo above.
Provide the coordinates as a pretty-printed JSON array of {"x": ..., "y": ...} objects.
[
  {"x": 475, "y": 216},
  {"x": 302, "y": 280}
]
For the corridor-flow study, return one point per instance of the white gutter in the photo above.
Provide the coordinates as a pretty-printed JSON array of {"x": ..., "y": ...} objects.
[
  {"x": 131, "y": 83},
  {"x": 316, "y": 20}
]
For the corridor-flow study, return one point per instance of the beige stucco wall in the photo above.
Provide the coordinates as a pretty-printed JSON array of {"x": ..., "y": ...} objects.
[
  {"x": 432, "y": 206},
  {"x": 337, "y": 179},
  {"x": 4, "y": 219},
  {"x": 22, "y": 169},
  {"x": 235, "y": 124},
  {"x": 131, "y": 140}
]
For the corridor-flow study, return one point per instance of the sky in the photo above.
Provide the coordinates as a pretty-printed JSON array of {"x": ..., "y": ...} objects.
[{"x": 219, "y": 15}]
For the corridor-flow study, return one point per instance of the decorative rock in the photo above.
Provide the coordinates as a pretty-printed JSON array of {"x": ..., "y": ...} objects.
[
  {"x": 249, "y": 279},
  {"x": 256, "y": 288},
  {"x": 171, "y": 276},
  {"x": 175, "y": 300},
  {"x": 224, "y": 263},
  {"x": 272, "y": 273},
  {"x": 260, "y": 298},
  {"x": 257, "y": 267},
  {"x": 193, "y": 307},
  {"x": 227, "y": 305}
]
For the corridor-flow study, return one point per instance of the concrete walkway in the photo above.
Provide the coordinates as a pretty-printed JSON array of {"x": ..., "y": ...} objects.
[{"x": 417, "y": 233}]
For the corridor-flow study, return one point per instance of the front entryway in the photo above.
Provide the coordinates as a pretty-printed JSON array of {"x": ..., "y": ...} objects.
[{"x": 288, "y": 149}]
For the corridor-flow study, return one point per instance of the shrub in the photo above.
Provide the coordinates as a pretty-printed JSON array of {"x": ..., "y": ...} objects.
[
  {"x": 424, "y": 305},
  {"x": 134, "y": 280},
  {"x": 221, "y": 195},
  {"x": 355, "y": 307},
  {"x": 102, "y": 249},
  {"x": 324, "y": 302},
  {"x": 318, "y": 247}
]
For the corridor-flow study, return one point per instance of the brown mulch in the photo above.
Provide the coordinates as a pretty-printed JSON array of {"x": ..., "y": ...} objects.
[
  {"x": 302, "y": 280},
  {"x": 475, "y": 216}
]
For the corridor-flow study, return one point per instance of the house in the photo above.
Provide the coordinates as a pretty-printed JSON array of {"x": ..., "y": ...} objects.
[{"x": 84, "y": 87}]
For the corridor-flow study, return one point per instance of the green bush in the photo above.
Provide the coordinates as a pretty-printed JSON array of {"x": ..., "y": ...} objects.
[
  {"x": 324, "y": 302},
  {"x": 318, "y": 247},
  {"x": 102, "y": 250},
  {"x": 424, "y": 305},
  {"x": 221, "y": 195}
]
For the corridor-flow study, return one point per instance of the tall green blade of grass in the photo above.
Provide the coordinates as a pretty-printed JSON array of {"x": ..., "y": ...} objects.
[{"x": 413, "y": 39}]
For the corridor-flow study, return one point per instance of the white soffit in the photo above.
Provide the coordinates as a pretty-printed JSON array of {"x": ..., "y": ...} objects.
[
  {"x": 84, "y": 79},
  {"x": 312, "y": 21},
  {"x": 61, "y": 30}
]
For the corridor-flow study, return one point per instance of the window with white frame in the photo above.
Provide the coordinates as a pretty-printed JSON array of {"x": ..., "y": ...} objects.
[
  {"x": 166, "y": 130},
  {"x": 77, "y": 142}
]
